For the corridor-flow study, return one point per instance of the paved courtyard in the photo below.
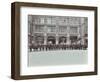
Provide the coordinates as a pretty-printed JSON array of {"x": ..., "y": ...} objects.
[{"x": 59, "y": 57}]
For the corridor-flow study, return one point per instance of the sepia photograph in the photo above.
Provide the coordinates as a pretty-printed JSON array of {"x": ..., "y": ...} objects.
[{"x": 57, "y": 40}]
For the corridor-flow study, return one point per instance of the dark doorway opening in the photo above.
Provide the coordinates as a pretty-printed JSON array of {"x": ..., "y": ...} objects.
[
  {"x": 73, "y": 39},
  {"x": 62, "y": 39},
  {"x": 51, "y": 40}
]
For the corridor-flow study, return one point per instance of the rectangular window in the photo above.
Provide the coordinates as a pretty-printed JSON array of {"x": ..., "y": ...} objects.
[
  {"x": 62, "y": 21},
  {"x": 39, "y": 28},
  {"x": 73, "y": 30},
  {"x": 62, "y": 29},
  {"x": 42, "y": 20},
  {"x": 50, "y": 20},
  {"x": 51, "y": 29}
]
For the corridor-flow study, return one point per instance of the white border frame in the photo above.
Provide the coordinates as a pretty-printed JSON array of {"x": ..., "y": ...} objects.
[{"x": 24, "y": 70}]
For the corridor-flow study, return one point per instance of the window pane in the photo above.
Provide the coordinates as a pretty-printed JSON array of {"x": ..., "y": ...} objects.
[
  {"x": 73, "y": 30},
  {"x": 51, "y": 29},
  {"x": 39, "y": 29},
  {"x": 62, "y": 29}
]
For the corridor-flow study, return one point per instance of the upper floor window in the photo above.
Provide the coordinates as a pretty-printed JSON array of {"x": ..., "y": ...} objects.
[
  {"x": 62, "y": 29},
  {"x": 51, "y": 29},
  {"x": 73, "y": 30},
  {"x": 39, "y": 20},
  {"x": 50, "y": 20},
  {"x": 62, "y": 21},
  {"x": 39, "y": 28}
]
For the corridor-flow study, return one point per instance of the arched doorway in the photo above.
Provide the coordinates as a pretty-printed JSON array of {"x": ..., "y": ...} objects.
[
  {"x": 51, "y": 40},
  {"x": 73, "y": 39},
  {"x": 39, "y": 40},
  {"x": 62, "y": 40}
]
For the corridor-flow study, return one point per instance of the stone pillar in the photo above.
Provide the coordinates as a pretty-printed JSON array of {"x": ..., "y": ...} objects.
[
  {"x": 82, "y": 31},
  {"x": 68, "y": 39},
  {"x": 78, "y": 32},
  {"x": 57, "y": 31},
  {"x": 45, "y": 35},
  {"x": 68, "y": 36},
  {"x": 82, "y": 41},
  {"x": 45, "y": 39},
  {"x": 82, "y": 35},
  {"x": 57, "y": 39}
]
